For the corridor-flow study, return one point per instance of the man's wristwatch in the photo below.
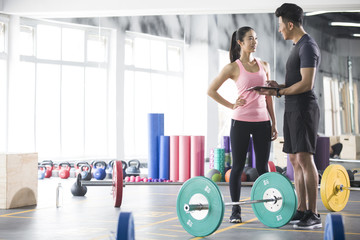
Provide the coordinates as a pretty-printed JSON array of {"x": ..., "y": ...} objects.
[{"x": 278, "y": 95}]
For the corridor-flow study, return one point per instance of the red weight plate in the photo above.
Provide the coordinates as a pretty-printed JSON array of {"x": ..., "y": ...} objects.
[
  {"x": 271, "y": 166},
  {"x": 117, "y": 185}
]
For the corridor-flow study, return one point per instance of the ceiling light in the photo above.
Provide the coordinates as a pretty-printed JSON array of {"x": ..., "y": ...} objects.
[
  {"x": 345, "y": 24},
  {"x": 323, "y": 12},
  {"x": 356, "y": 35}
]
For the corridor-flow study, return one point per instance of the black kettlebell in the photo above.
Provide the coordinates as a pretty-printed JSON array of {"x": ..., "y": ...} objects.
[
  {"x": 77, "y": 189},
  {"x": 85, "y": 171},
  {"x": 124, "y": 167},
  {"x": 133, "y": 168}
]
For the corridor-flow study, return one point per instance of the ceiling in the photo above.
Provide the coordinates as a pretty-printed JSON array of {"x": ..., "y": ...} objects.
[
  {"x": 322, "y": 22},
  {"x": 94, "y": 8}
]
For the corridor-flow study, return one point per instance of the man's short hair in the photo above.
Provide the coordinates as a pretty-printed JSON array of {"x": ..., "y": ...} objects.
[{"x": 290, "y": 12}]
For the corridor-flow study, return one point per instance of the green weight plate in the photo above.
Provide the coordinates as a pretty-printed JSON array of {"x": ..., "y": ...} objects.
[
  {"x": 200, "y": 190},
  {"x": 268, "y": 186}
]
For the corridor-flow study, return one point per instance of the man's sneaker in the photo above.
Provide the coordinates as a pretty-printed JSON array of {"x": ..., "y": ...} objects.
[
  {"x": 236, "y": 214},
  {"x": 309, "y": 221},
  {"x": 297, "y": 217}
]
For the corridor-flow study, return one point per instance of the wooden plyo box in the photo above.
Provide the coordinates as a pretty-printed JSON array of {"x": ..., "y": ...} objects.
[
  {"x": 351, "y": 147},
  {"x": 334, "y": 140},
  {"x": 18, "y": 180}
]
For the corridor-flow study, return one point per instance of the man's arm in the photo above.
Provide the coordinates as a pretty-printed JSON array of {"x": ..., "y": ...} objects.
[{"x": 305, "y": 85}]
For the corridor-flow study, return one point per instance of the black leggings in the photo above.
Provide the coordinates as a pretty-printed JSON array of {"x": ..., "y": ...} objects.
[{"x": 240, "y": 137}]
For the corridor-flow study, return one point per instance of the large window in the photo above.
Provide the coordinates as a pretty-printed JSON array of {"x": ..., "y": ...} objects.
[
  {"x": 59, "y": 102},
  {"x": 153, "y": 84},
  {"x": 332, "y": 110},
  {"x": 3, "y": 84}
]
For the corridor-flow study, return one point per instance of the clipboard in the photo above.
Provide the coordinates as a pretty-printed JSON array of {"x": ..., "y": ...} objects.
[{"x": 257, "y": 88}]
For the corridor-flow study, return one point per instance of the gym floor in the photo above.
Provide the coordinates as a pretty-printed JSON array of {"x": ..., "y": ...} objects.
[{"x": 153, "y": 207}]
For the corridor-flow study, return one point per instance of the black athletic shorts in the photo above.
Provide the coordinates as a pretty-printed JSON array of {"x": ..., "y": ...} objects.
[{"x": 300, "y": 130}]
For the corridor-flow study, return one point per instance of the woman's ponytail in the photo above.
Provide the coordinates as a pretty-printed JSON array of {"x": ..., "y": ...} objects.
[{"x": 234, "y": 52}]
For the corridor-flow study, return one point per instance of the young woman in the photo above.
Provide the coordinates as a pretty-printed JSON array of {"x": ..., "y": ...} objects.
[{"x": 252, "y": 112}]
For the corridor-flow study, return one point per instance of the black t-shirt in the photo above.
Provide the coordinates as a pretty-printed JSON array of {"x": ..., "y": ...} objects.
[{"x": 305, "y": 54}]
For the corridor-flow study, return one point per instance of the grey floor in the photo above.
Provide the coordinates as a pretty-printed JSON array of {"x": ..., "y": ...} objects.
[{"x": 153, "y": 206}]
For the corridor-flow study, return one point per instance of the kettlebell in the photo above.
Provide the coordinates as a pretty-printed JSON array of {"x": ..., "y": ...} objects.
[
  {"x": 85, "y": 171},
  {"x": 99, "y": 171},
  {"x": 109, "y": 170},
  {"x": 124, "y": 166},
  {"x": 72, "y": 170},
  {"x": 64, "y": 172},
  {"x": 133, "y": 168},
  {"x": 49, "y": 167},
  {"x": 55, "y": 170},
  {"x": 77, "y": 189},
  {"x": 41, "y": 171},
  {"x": 77, "y": 167}
]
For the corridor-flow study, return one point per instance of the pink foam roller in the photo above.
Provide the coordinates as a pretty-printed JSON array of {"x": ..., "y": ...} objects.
[
  {"x": 184, "y": 158},
  {"x": 174, "y": 158},
  {"x": 195, "y": 160},
  {"x": 202, "y": 159}
]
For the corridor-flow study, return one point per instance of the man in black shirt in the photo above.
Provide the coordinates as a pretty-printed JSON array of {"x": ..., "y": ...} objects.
[{"x": 301, "y": 117}]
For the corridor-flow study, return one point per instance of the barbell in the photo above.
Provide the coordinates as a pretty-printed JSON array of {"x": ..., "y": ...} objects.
[
  {"x": 200, "y": 206},
  {"x": 335, "y": 187}
]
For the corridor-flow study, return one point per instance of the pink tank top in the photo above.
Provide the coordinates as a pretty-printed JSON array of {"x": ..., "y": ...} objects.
[{"x": 255, "y": 108}]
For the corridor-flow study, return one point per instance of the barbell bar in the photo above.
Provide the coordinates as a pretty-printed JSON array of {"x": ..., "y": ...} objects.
[
  {"x": 200, "y": 206},
  {"x": 335, "y": 187}
]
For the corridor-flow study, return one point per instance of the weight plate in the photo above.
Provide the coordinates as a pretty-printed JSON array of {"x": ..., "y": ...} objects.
[
  {"x": 271, "y": 166},
  {"x": 117, "y": 184},
  {"x": 334, "y": 227},
  {"x": 125, "y": 230},
  {"x": 332, "y": 198},
  {"x": 200, "y": 190},
  {"x": 270, "y": 185}
]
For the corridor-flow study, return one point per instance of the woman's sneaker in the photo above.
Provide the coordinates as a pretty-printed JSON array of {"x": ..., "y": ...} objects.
[
  {"x": 297, "y": 217},
  {"x": 235, "y": 215},
  {"x": 309, "y": 221}
]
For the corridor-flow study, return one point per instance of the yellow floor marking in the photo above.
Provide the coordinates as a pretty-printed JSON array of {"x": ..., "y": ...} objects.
[
  {"x": 173, "y": 230},
  {"x": 344, "y": 214},
  {"x": 164, "y": 235},
  {"x": 290, "y": 230},
  {"x": 14, "y": 217},
  {"x": 14, "y": 213},
  {"x": 231, "y": 227},
  {"x": 101, "y": 237},
  {"x": 155, "y": 223}
]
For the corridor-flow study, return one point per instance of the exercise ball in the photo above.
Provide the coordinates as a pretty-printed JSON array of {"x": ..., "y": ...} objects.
[
  {"x": 214, "y": 175},
  {"x": 227, "y": 175}
]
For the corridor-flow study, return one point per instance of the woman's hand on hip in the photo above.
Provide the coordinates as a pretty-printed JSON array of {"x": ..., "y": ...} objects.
[{"x": 240, "y": 101}]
